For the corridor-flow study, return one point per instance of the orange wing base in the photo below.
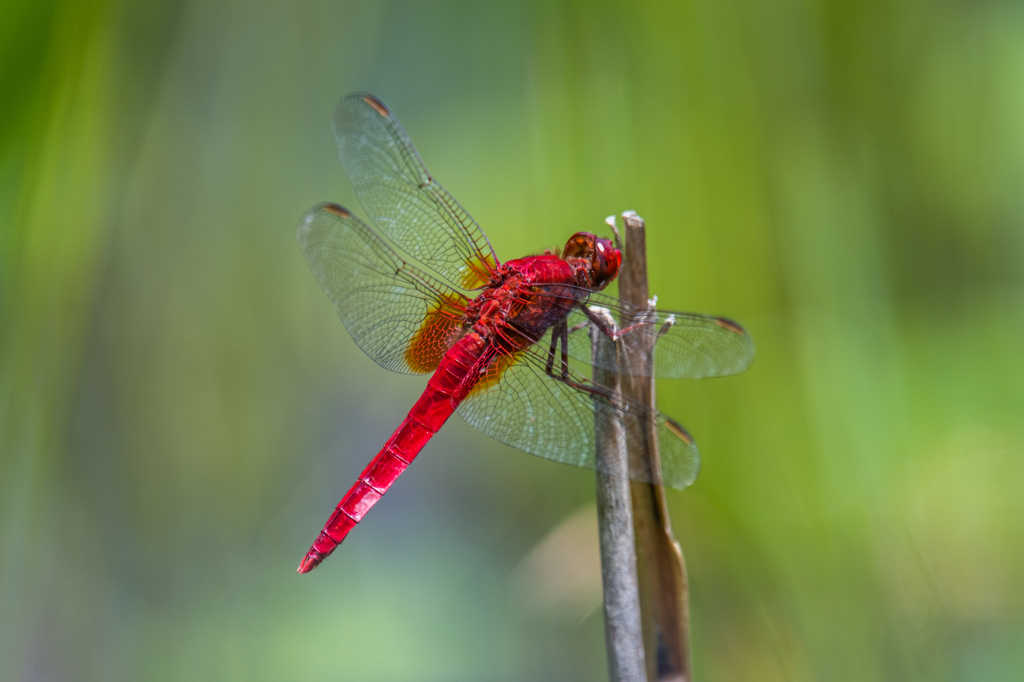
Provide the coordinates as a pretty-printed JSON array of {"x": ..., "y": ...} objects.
[
  {"x": 440, "y": 329},
  {"x": 479, "y": 273}
]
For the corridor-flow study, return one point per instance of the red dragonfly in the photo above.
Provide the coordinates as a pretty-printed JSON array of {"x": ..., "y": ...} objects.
[{"x": 496, "y": 336}]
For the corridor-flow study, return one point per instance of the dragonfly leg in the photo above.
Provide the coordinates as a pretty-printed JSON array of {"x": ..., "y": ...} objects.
[
  {"x": 559, "y": 333},
  {"x": 592, "y": 389},
  {"x": 610, "y": 330},
  {"x": 599, "y": 322},
  {"x": 563, "y": 334},
  {"x": 551, "y": 351}
]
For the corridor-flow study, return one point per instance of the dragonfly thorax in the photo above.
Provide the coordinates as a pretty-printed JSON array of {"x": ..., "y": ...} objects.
[{"x": 497, "y": 302}]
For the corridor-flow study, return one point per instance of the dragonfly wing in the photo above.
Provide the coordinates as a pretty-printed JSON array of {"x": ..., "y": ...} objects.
[
  {"x": 519, "y": 404},
  {"x": 696, "y": 346},
  {"x": 688, "y": 345},
  {"x": 403, "y": 318},
  {"x": 406, "y": 204}
]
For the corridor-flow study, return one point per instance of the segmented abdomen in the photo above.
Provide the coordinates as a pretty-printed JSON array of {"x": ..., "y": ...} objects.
[{"x": 454, "y": 377}]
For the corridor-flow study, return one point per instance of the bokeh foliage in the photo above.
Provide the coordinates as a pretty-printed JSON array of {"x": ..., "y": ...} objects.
[{"x": 179, "y": 407}]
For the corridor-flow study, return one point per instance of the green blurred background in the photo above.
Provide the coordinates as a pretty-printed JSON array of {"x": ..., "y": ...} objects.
[{"x": 180, "y": 408}]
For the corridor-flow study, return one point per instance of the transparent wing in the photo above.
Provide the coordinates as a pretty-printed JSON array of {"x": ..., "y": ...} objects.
[
  {"x": 400, "y": 316},
  {"x": 404, "y": 202},
  {"x": 688, "y": 345},
  {"x": 519, "y": 404}
]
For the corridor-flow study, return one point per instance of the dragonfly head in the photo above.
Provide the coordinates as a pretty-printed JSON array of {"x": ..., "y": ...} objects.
[{"x": 600, "y": 257}]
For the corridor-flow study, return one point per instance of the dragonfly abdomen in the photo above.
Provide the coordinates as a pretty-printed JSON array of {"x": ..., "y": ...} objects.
[{"x": 454, "y": 377}]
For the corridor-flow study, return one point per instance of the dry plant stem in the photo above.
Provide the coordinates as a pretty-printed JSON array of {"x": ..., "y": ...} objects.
[
  {"x": 664, "y": 595},
  {"x": 623, "y": 632}
]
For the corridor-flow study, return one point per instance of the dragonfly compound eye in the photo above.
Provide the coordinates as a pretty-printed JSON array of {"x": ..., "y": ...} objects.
[
  {"x": 580, "y": 245},
  {"x": 607, "y": 260}
]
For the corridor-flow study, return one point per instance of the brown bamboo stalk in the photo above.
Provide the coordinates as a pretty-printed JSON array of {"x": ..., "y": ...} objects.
[{"x": 664, "y": 596}]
